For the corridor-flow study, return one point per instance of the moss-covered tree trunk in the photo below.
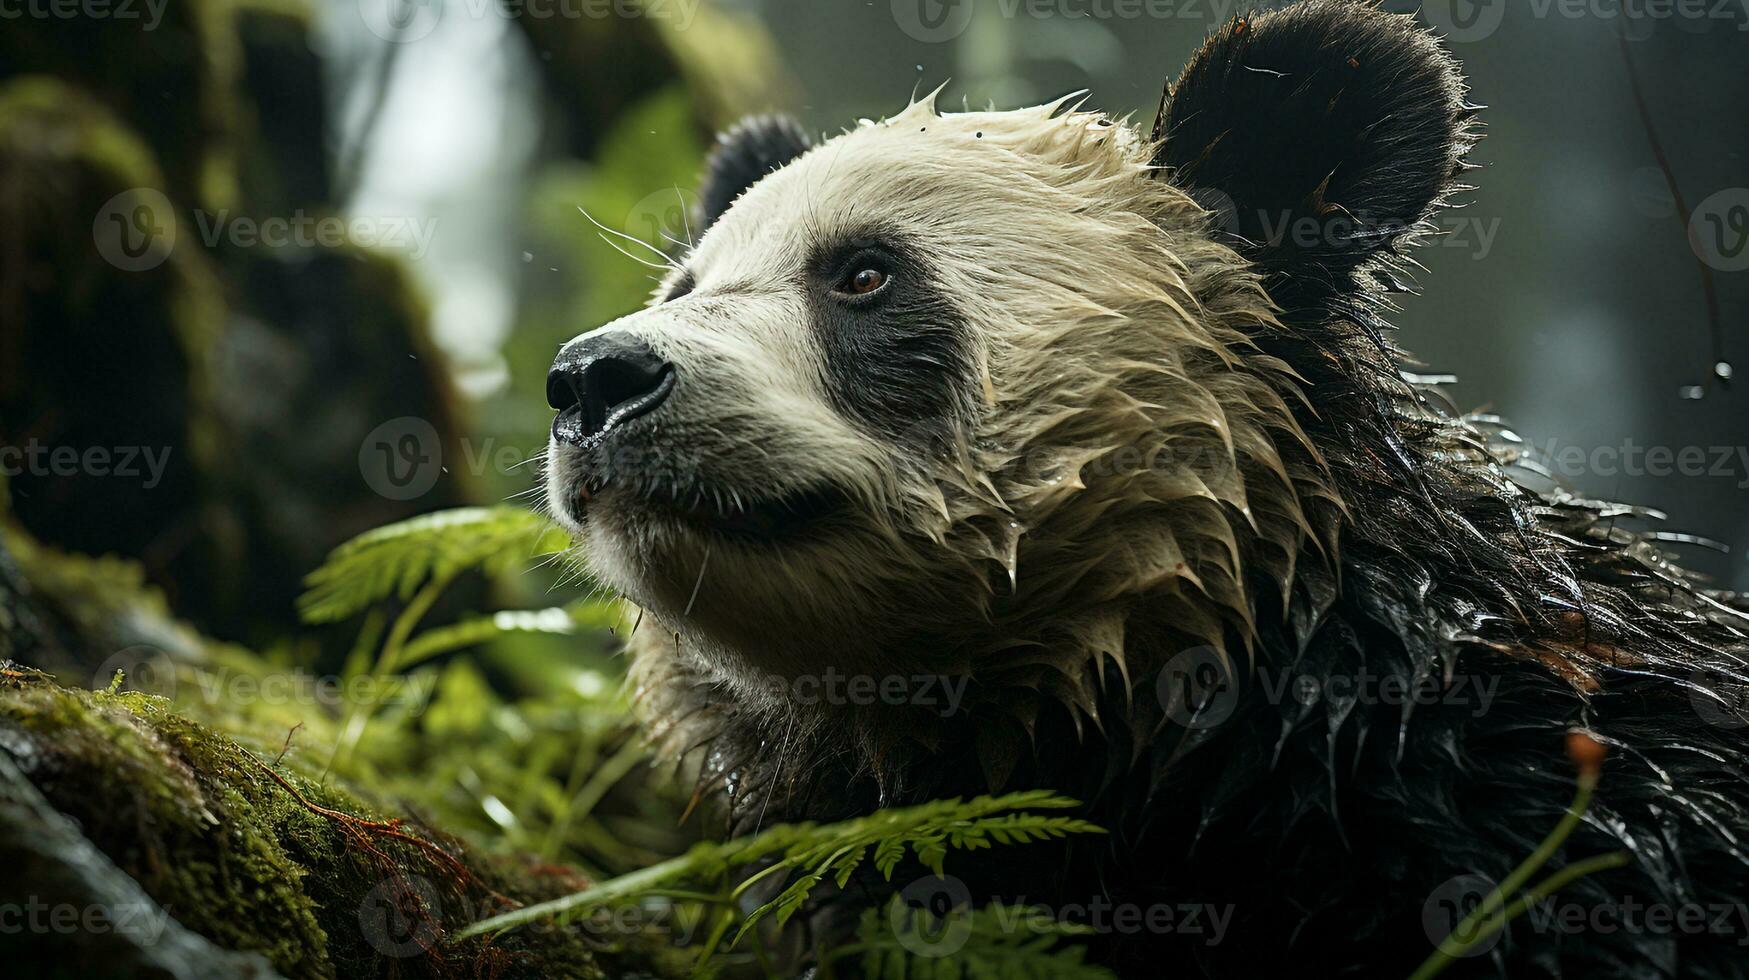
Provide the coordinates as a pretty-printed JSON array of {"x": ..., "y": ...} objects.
[{"x": 141, "y": 843}]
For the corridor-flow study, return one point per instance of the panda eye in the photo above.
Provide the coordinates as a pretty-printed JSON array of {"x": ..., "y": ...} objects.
[
  {"x": 860, "y": 275},
  {"x": 864, "y": 281}
]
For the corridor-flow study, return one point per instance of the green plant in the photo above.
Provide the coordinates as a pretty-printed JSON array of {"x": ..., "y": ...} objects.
[
  {"x": 1493, "y": 913},
  {"x": 539, "y": 772},
  {"x": 413, "y": 562},
  {"x": 719, "y": 875}
]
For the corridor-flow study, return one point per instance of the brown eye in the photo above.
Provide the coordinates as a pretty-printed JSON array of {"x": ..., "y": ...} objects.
[{"x": 865, "y": 281}]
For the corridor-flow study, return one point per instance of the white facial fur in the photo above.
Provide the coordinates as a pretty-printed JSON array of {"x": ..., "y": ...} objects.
[{"x": 1109, "y": 403}]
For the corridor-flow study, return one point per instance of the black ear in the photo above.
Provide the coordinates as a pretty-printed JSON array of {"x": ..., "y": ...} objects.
[
  {"x": 1333, "y": 129},
  {"x": 745, "y": 152}
]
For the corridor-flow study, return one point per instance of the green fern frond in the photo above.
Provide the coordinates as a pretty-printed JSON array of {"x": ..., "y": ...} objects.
[
  {"x": 476, "y": 630},
  {"x": 811, "y": 852},
  {"x": 394, "y": 560},
  {"x": 928, "y": 831}
]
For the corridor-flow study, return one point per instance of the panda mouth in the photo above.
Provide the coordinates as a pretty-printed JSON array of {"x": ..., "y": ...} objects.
[{"x": 774, "y": 519}]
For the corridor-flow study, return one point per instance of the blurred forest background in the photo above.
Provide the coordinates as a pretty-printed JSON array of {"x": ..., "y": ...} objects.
[{"x": 299, "y": 269}]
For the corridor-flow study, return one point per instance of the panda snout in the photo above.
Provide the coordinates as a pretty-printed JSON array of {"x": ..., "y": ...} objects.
[{"x": 600, "y": 383}]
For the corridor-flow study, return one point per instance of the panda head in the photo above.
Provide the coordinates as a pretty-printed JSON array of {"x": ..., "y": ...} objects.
[{"x": 957, "y": 391}]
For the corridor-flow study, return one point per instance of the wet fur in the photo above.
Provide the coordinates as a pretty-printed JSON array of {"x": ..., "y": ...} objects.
[{"x": 1307, "y": 510}]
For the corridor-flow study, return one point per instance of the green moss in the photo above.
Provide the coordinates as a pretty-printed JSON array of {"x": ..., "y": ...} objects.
[
  {"x": 173, "y": 71},
  {"x": 65, "y": 162},
  {"x": 310, "y": 876},
  {"x": 207, "y": 849}
]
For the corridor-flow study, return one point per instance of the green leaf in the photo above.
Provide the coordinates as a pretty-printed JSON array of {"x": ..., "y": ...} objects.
[
  {"x": 394, "y": 560},
  {"x": 480, "y": 629},
  {"x": 810, "y": 853}
]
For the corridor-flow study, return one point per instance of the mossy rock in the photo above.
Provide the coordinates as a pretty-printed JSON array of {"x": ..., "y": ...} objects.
[
  {"x": 71, "y": 615},
  {"x": 169, "y": 68},
  {"x": 227, "y": 391},
  {"x": 283, "y": 110},
  {"x": 254, "y": 856},
  {"x": 96, "y": 356}
]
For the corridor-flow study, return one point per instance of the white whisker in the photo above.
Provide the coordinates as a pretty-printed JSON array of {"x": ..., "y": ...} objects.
[
  {"x": 667, "y": 262},
  {"x": 695, "y": 586}
]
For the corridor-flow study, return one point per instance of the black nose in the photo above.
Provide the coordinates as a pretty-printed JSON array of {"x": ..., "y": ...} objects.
[{"x": 602, "y": 382}]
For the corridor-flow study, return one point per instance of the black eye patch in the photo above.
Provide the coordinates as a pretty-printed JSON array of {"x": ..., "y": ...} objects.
[{"x": 897, "y": 356}]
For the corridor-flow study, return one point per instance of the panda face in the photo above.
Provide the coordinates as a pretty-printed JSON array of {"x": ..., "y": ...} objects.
[
  {"x": 836, "y": 341},
  {"x": 993, "y": 389}
]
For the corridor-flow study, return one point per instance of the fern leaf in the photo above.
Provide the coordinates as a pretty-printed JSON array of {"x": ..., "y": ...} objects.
[
  {"x": 480, "y": 629},
  {"x": 812, "y": 852},
  {"x": 394, "y": 560}
]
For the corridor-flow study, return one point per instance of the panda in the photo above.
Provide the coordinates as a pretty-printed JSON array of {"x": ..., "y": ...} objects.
[{"x": 971, "y": 452}]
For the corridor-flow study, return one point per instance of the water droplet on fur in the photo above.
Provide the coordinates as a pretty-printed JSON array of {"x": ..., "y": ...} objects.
[
  {"x": 1692, "y": 393},
  {"x": 1723, "y": 370},
  {"x": 1011, "y": 555}
]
